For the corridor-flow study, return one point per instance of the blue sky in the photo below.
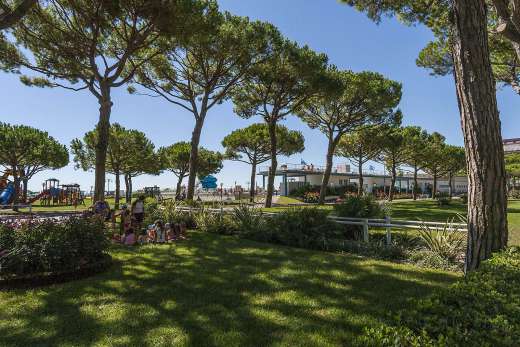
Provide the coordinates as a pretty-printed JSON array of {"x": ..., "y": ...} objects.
[{"x": 349, "y": 39}]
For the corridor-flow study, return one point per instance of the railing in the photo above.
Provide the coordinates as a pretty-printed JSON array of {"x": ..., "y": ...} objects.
[
  {"x": 366, "y": 223},
  {"x": 31, "y": 216}
]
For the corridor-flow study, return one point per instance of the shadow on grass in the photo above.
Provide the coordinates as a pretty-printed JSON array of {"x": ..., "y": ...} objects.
[{"x": 216, "y": 291}]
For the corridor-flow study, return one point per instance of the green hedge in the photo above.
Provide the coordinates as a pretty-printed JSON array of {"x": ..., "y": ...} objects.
[
  {"x": 483, "y": 309},
  {"x": 51, "y": 247}
]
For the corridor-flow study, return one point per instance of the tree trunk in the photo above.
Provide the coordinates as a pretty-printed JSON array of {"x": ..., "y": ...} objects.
[
  {"x": 25, "y": 183},
  {"x": 252, "y": 187},
  {"x": 130, "y": 188},
  {"x": 328, "y": 169},
  {"x": 103, "y": 128},
  {"x": 434, "y": 188},
  {"x": 360, "y": 177},
  {"x": 128, "y": 195},
  {"x": 392, "y": 183},
  {"x": 16, "y": 196},
  {"x": 118, "y": 190},
  {"x": 179, "y": 186},
  {"x": 415, "y": 183},
  {"x": 194, "y": 154},
  {"x": 450, "y": 183},
  {"x": 487, "y": 196},
  {"x": 274, "y": 164}
]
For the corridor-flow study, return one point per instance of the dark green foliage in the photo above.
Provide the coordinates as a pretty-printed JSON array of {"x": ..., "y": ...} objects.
[
  {"x": 443, "y": 199},
  {"x": 482, "y": 309},
  {"x": 51, "y": 247},
  {"x": 248, "y": 221},
  {"x": 302, "y": 227},
  {"x": 218, "y": 223},
  {"x": 360, "y": 207}
]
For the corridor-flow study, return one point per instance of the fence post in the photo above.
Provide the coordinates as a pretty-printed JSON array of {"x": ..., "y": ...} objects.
[
  {"x": 365, "y": 230},
  {"x": 388, "y": 220}
]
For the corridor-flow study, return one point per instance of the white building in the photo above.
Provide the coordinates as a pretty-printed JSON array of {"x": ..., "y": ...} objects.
[{"x": 295, "y": 176}]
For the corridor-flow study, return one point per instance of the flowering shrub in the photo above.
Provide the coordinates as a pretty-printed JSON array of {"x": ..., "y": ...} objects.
[
  {"x": 311, "y": 197},
  {"x": 50, "y": 246}
]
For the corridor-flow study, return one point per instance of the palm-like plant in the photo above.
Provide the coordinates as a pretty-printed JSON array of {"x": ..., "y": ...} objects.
[{"x": 447, "y": 242}]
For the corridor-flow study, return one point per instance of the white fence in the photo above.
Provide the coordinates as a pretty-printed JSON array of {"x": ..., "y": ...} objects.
[{"x": 388, "y": 223}]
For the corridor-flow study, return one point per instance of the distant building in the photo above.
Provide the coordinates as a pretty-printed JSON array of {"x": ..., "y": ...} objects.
[
  {"x": 511, "y": 145},
  {"x": 295, "y": 176}
]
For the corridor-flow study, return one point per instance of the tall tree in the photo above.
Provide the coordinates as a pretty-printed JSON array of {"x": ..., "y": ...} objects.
[
  {"x": 25, "y": 151},
  {"x": 251, "y": 145},
  {"x": 96, "y": 45},
  {"x": 434, "y": 161},
  {"x": 176, "y": 158},
  {"x": 455, "y": 163},
  {"x": 361, "y": 100},
  {"x": 416, "y": 143},
  {"x": 393, "y": 154},
  {"x": 361, "y": 147},
  {"x": 277, "y": 87},
  {"x": 201, "y": 73},
  {"x": 476, "y": 93},
  {"x": 11, "y": 11},
  {"x": 129, "y": 154}
]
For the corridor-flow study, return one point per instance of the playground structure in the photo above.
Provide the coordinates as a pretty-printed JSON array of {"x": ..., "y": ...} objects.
[
  {"x": 55, "y": 194},
  {"x": 6, "y": 189},
  {"x": 209, "y": 182}
]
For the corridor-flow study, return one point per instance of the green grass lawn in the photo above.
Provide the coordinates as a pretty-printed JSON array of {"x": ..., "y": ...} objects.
[
  {"x": 428, "y": 210},
  {"x": 216, "y": 291}
]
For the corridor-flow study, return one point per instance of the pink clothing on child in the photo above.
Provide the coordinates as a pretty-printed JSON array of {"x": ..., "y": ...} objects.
[{"x": 129, "y": 239}]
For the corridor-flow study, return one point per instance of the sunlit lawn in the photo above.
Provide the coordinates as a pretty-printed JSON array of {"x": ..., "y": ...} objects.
[
  {"x": 428, "y": 210},
  {"x": 216, "y": 291}
]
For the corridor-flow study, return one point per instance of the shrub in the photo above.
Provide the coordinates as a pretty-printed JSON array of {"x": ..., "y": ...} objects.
[
  {"x": 248, "y": 220},
  {"x": 311, "y": 197},
  {"x": 446, "y": 242},
  {"x": 483, "y": 309},
  {"x": 51, "y": 246},
  {"x": 218, "y": 223},
  {"x": 464, "y": 198},
  {"x": 301, "y": 227},
  {"x": 360, "y": 207},
  {"x": 443, "y": 199}
]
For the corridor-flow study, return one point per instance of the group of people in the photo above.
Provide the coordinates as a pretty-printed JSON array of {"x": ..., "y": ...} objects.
[{"x": 155, "y": 233}]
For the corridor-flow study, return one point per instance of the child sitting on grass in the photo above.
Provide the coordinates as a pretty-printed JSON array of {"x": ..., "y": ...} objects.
[
  {"x": 160, "y": 231},
  {"x": 129, "y": 239}
]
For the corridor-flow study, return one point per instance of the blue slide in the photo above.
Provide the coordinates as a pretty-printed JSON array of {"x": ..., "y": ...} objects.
[{"x": 7, "y": 194}]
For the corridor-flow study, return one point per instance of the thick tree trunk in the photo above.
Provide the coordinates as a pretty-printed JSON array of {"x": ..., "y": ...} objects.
[
  {"x": 392, "y": 183},
  {"x": 487, "y": 196},
  {"x": 103, "y": 128},
  {"x": 450, "y": 183},
  {"x": 434, "y": 188},
  {"x": 130, "y": 188},
  {"x": 274, "y": 164},
  {"x": 194, "y": 155},
  {"x": 360, "y": 177},
  {"x": 415, "y": 183},
  {"x": 328, "y": 168},
  {"x": 252, "y": 187},
  {"x": 128, "y": 195},
  {"x": 117, "y": 196},
  {"x": 16, "y": 197},
  {"x": 25, "y": 183},
  {"x": 179, "y": 186}
]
